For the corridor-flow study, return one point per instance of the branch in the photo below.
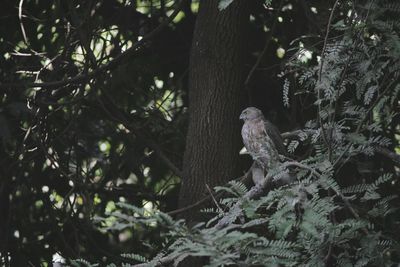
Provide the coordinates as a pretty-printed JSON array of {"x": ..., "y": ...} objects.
[
  {"x": 378, "y": 149},
  {"x": 319, "y": 176},
  {"x": 366, "y": 115},
  {"x": 113, "y": 63},
  {"x": 328, "y": 26},
  {"x": 388, "y": 154},
  {"x": 83, "y": 35},
  {"x": 296, "y": 133},
  {"x": 119, "y": 116},
  {"x": 244, "y": 178},
  {"x": 256, "y": 191},
  {"x": 164, "y": 261},
  {"x": 21, "y": 24},
  {"x": 213, "y": 198},
  {"x": 170, "y": 258},
  {"x": 268, "y": 41}
]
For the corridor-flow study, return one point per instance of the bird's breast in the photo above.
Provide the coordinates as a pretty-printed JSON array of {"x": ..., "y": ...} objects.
[{"x": 253, "y": 133}]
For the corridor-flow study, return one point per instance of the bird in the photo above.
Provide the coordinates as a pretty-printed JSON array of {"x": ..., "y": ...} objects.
[{"x": 263, "y": 142}]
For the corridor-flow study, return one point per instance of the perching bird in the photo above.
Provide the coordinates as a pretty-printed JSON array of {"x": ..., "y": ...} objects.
[{"x": 262, "y": 141}]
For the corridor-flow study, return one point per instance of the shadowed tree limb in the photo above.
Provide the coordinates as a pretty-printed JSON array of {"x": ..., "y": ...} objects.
[
  {"x": 117, "y": 115},
  {"x": 378, "y": 149},
  {"x": 244, "y": 179},
  {"x": 108, "y": 66},
  {"x": 267, "y": 42}
]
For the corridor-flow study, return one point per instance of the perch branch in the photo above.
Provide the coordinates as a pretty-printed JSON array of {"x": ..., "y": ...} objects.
[{"x": 254, "y": 192}]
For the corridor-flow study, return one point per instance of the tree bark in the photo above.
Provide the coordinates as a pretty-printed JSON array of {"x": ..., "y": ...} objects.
[{"x": 215, "y": 99}]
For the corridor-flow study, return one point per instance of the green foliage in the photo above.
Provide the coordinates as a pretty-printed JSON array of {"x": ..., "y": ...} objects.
[
  {"x": 68, "y": 153},
  {"x": 82, "y": 263},
  {"x": 223, "y": 4},
  {"x": 323, "y": 217},
  {"x": 80, "y": 174}
]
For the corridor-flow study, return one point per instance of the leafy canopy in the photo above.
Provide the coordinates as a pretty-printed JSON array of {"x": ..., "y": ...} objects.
[{"x": 323, "y": 216}]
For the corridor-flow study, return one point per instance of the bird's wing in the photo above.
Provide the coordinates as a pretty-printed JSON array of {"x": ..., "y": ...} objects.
[{"x": 276, "y": 137}]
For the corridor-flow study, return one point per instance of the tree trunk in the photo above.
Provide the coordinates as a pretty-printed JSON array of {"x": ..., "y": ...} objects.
[{"x": 215, "y": 99}]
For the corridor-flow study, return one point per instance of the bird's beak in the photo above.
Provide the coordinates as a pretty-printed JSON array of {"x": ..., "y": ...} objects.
[{"x": 241, "y": 117}]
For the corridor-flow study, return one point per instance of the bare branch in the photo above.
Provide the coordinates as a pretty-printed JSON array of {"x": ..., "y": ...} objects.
[
  {"x": 268, "y": 41},
  {"x": 119, "y": 116},
  {"x": 213, "y": 198},
  {"x": 108, "y": 66},
  {"x": 324, "y": 135},
  {"x": 244, "y": 179}
]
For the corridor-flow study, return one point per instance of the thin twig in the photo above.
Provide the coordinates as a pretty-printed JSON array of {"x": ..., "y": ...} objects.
[
  {"x": 268, "y": 41},
  {"x": 319, "y": 176},
  {"x": 328, "y": 26},
  {"x": 83, "y": 35},
  {"x": 113, "y": 63},
  {"x": 164, "y": 261},
  {"x": 21, "y": 24},
  {"x": 213, "y": 198},
  {"x": 366, "y": 115},
  {"x": 118, "y": 116},
  {"x": 378, "y": 149},
  {"x": 328, "y": 255},
  {"x": 242, "y": 179},
  {"x": 256, "y": 191}
]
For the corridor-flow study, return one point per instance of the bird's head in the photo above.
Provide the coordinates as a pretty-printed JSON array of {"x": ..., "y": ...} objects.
[{"x": 250, "y": 113}]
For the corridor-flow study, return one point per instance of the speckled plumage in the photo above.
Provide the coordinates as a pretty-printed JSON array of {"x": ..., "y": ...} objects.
[{"x": 261, "y": 138}]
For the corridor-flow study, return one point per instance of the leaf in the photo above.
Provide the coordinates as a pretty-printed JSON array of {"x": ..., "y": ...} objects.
[
  {"x": 370, "y": 195},
  {"x": 370, "y": 94},
  {"x": 223, "y": 4},
  {"x": 356, "y": 138},
  {"x": 286, "y": 101},
  {"x": 255, "y": 222},
  {"x": 134, "y": 256},
  {"x": 267, "y": 2}
]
